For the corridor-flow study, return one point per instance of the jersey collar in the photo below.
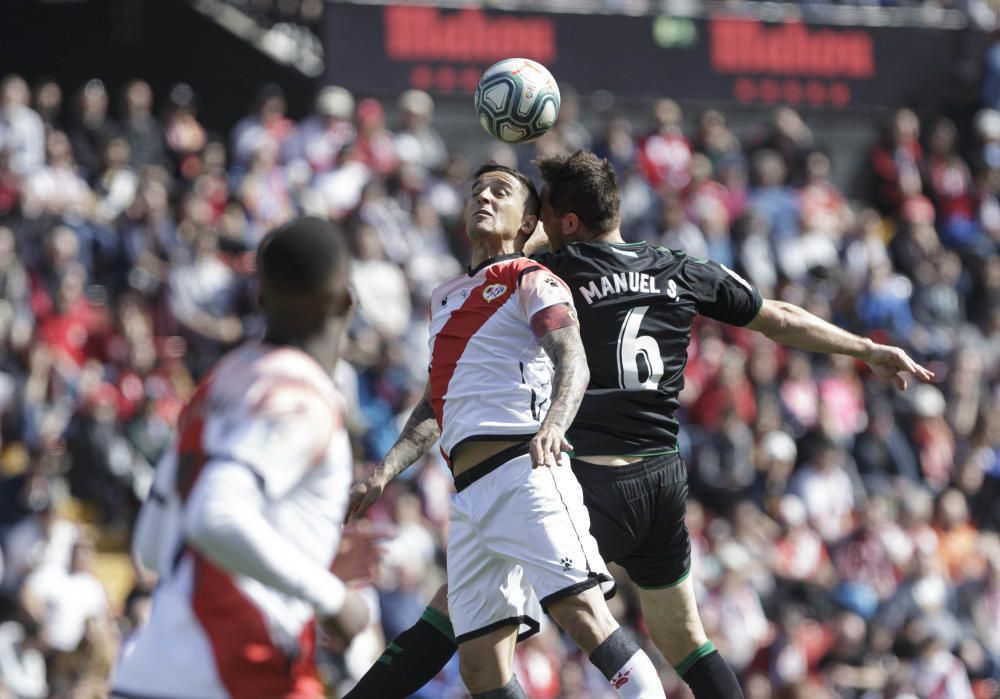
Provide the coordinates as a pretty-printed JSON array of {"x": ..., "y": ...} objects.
[{"x": 492, "y": 260}]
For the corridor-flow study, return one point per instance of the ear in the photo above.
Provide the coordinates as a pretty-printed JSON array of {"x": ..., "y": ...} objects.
[
  {"x": 570, "y": 224},
  {"x": 528, "y": 224}
]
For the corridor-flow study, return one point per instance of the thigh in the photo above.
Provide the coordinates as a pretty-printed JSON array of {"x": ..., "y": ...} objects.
[
  {"x": 611, "y": 523},
  {"x": 545, "y": 527},
  {"x": 486, "y": 591},
  {"x": 662, "y": 557}
]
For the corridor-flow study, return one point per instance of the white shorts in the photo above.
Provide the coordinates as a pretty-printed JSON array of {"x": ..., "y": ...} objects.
[{"x": 518, "y": 540}]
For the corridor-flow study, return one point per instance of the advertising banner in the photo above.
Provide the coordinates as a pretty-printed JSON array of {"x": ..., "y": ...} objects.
[{"x": 388, "y": 48}]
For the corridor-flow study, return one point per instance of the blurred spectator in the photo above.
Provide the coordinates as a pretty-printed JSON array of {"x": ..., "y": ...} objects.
[
  {"x": 22, "y": 134},
  {"x": 827, "y": 492},
  {"x": 144, "y": 135},
  {"x": 184, "y": 134},
  {"x": 117, "y": 185},
  {"x": 380, "y": 285},
  {"x": 203, "y": 294},
  {"x": 64, "y": 600},
  {"x": 417, "y": 141},
  {"x": 715, "y": 139},
  {"x": 56, "y": 188},
  {"x": 772, "y": 199},
  {"x": 266, "y": 123},
  {"x": 882, "y": 451},
  {"x": 321, "y": 138},
  {"x": 48, "y": 102},
  {"x": 92, "y": 128},
  {"x": 375, "y": 146},
  {"x": 790, "y": 137},
  {"x": 22, "y": 662},
  {"x": 896, "y": 162},
  {"x": 664, "y": 156},
  {"x": 16, "y": 320}
]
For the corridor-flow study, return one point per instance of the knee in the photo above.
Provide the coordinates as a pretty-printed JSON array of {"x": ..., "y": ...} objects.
[
  {"x": 677, "y": 638},
  {"x": 479, "y": 676},
  {"x": 586, "y": 618},
  {"x": 678, "y": 646},
  {"x": 440, "y": 600}
]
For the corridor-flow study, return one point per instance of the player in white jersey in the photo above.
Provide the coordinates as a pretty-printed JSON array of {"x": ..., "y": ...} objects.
[
  {"x": 507, "y": 374},
  {"x": 246, "y": 509}
]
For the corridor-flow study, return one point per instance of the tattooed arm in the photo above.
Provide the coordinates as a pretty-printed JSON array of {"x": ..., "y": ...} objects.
[
  {"x": 565, "y": 349},
  {"x": 419, "y": 435}
]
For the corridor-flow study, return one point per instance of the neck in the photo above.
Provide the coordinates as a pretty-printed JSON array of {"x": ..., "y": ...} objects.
[
  {"x": 322, "y": 351},
  {"x": 485, "y": 247},
  {"x": 612, "y": 236}
]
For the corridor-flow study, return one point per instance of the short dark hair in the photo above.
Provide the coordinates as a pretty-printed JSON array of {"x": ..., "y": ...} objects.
[
  {"x": 533, "y": 202},
  {"x": 299, "y": 257},
  {"x": 585, "y": 185}
]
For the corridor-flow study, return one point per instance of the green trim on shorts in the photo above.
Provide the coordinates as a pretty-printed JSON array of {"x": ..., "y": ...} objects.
[
  {"x": 675, "y": 583},
  {"x": 704, "y": 649},
  {"x": 440, "y": 622}
]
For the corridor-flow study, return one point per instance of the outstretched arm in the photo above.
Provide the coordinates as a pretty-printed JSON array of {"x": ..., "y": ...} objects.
[
  {"x": 565, "y": 349},
  {"x": 790, "y": 325},
  {"x": 417, "y": 438}
]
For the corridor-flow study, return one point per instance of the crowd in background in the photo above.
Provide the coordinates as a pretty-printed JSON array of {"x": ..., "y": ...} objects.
[{"x": 844, "y": 535}]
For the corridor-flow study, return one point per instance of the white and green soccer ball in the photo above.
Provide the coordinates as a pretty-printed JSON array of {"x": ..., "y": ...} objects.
[{"x": 517, "y": 100}]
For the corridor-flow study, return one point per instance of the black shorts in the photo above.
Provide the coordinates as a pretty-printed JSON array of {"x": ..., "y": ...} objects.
[{"x": 637, "y": 516}]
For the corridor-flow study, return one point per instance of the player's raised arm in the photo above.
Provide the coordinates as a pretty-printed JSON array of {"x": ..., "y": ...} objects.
[
  {"x": 569, "y": 383},
  {"x": 797, "y": 327},
  {"x": 419, "y": 435}
]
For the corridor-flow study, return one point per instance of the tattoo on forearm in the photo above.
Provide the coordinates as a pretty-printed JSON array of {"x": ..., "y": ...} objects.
[
  {"x": 419, "y": 435},
  {"x": 565, "y": 349}
]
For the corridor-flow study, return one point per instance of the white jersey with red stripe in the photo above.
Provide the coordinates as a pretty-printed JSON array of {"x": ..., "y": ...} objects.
[
  {"x": 489, "y": 376},
  {"x": 213, "y": 634}
]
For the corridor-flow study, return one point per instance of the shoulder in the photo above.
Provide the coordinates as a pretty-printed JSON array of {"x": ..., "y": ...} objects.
[{"x": 278, "y": 381}]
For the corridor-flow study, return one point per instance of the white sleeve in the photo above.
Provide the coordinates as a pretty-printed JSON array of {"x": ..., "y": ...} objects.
[
  {"x": 224, "y": 520},
  {"x": 152, "y": 530},
  {"x": 540, "y": 289}
]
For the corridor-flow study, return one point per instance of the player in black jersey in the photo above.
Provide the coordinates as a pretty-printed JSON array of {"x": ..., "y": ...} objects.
[{"x": 636, "y": 304}]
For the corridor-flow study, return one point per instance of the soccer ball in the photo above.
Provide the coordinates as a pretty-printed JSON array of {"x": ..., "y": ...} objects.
[{"x": 517, "y": 100}]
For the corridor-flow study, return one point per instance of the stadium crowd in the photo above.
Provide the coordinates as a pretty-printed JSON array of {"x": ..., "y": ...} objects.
[{"x": 845, "y": 536}]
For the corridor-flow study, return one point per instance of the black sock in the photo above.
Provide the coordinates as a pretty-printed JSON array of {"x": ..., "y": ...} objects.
[
  {"x": 410, "y": 661},
  {"x": 512, "y": 690},
  {"x": 708, "y": 675},
  {"x": 614, "y": 652}
]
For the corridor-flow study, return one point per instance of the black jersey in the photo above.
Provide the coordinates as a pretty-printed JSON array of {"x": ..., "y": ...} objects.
[{"x": 636, "y": 304}]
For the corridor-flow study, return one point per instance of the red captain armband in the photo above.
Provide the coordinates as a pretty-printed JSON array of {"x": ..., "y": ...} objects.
[{"x": 560, "y": 315}]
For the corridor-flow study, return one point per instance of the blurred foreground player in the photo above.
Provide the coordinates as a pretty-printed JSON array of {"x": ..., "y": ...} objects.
[{"x": 248, "y": 504}]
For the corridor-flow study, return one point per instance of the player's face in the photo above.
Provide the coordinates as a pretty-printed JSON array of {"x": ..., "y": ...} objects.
[{"x": 496, "y": 206}]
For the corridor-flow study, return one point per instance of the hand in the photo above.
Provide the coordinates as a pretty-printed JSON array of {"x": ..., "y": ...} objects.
[
  {"x": 546, "y": 446},
  {"x": 360, "y": 553},
  {"x": 890, "y": 363},
  {"x": 342, "y": 627},
  {"x": 364, "y": 494}
]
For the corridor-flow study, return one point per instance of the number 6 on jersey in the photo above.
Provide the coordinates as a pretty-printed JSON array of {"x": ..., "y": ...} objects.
[{"x": 638, "y": 355}]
